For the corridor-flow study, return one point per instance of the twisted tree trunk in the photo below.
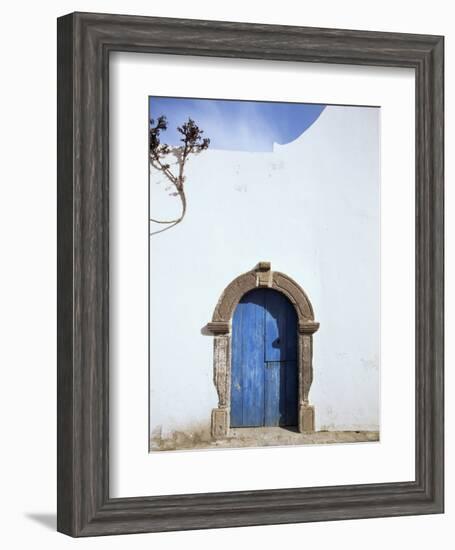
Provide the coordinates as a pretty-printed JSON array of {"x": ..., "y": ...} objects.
[{"x": 172, "y": 223}]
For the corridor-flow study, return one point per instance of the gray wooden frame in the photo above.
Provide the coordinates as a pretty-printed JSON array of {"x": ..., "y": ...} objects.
[{"x": 84, "y": 44}]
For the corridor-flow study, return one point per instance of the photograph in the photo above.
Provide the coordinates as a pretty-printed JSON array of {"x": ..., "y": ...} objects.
[{"x": 264, "y": 273}]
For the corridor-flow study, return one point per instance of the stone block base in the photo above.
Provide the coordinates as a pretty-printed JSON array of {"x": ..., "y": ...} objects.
[
  {"x": 306, "y": 419},
  {"x": 220, "y": 423}
]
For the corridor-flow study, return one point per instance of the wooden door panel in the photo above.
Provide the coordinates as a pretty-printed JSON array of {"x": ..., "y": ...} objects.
[
  {"x": 281, "y": 360},
  {"x": 247, "y": 385},
  {"x": 275, "y": 394},
  {"x": 264, "y": 361},
  {"x": 280, "y": 328},
  {"x": 291, "y": 391}
]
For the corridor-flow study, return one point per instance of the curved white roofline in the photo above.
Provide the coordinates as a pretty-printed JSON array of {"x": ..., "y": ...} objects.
[{"x": 278, "y": 146}]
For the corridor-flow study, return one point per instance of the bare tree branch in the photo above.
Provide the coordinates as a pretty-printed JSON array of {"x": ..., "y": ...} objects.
[{"x": 192, "y": 143}]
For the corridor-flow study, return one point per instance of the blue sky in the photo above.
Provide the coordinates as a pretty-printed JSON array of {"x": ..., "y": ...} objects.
[{"x": 237, "y": 125}]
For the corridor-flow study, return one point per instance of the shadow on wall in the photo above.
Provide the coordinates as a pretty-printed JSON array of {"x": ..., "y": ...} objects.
[{"x": 205, "y": 331}]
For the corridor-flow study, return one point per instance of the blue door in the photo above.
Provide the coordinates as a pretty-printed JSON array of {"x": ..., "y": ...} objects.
[{"x": 264, "y": 361}]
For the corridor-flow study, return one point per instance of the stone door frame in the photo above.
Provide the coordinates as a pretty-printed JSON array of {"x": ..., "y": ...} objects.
[{"x": 261, "y": 276}]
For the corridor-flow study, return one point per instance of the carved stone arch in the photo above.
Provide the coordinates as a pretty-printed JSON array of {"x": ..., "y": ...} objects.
[{"x": 261, "y": 276}]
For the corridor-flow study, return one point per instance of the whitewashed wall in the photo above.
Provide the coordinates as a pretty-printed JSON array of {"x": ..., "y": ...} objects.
[{"x": 311, "y": 208}]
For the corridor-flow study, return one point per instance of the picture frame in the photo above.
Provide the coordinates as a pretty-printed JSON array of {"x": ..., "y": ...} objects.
[{"x": 85, "y": 507}]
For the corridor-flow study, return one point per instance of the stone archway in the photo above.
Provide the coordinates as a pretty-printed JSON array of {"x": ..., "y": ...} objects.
[{"x": 220, "y": 326}]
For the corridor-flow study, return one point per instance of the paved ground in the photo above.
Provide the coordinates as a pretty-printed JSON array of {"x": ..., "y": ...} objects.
[{"x": 260, "y": 437}]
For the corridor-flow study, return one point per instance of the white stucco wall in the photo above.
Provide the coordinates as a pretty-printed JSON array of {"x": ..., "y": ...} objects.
[{"x": 311, "y": 208}]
